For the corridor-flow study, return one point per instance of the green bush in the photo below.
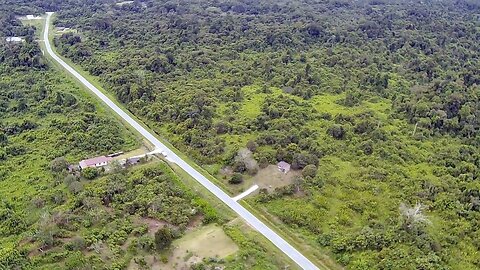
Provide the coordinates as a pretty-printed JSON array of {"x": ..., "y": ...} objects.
[
  {"x": 236, "y": 179},
  {"x": 59, "y": 164},
  {"x": 90, "y": 173},
  {"x": 75, "y": 244},
  {"x": 309, "y": 171},
  {"x": 75, "y": 187},
  {"x": 164, "y": 238}
]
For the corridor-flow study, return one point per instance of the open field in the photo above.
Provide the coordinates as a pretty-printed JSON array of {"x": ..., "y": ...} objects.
[
  {"x": 268, "y": 178},
  {"x": 137, "y": 152},
  {"x": 207, "y": 242}
]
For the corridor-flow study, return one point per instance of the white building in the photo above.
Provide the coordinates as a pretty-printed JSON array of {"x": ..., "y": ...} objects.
[
  {"x": 31, "y": 17},
  {"x": 14, "y": 39},
  {"x": 95, "y": 162}
]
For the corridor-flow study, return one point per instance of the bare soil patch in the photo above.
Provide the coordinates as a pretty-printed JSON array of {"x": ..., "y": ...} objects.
[
  {"x": 271, "y": 178},
  {"x": 207, "y": 242},
  {"x": 195, "y": 222},
  {"x": 137, "y": 152}
]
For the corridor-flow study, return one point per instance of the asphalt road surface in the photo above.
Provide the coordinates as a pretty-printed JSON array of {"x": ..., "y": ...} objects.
[{"x": 278, "y": 241}]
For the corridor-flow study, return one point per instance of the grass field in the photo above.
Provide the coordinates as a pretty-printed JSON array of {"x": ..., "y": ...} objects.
[{"x": 208, "y": 242}]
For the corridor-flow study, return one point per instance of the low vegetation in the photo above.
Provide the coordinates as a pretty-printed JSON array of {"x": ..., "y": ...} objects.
[
  {"x": 373, "y": 100},
  {"x": 51, "y": 218}
]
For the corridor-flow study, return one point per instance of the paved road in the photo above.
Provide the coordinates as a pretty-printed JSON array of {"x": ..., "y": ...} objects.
[
  {"x": 278, "y": 241},
  {"x": 245, "y": 193}
]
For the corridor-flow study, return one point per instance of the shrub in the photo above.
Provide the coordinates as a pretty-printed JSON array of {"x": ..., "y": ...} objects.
[
  {"x": 146, "y": 243},
  {"x": 117, "y": 238},
  {"x": 3, "y": 139},
  {"x": 90, "y": 173},
  {"x": 237, "y": 178},
  {"x": 38, "y": 202},
  {"x": 75, "y": 187},
  {"x": 16, "y": 150},
  {"x": 239, "y": 166},
  {"x": 252, "y": 145},
  {"x": 140, "y": 230},
  {"x": 76, "y": 244},
  {"x": 163, "y": 238},
  {"x": 59, "y": 164},
  {"x": 309, "y": 171},
  {"x": 76, "y": 261},
  {"x": 337, "y": 131},
  {"x": 69, "y": 179}
]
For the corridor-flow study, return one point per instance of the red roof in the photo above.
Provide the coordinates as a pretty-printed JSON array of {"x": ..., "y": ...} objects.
[{"x": 94, "y": 161}]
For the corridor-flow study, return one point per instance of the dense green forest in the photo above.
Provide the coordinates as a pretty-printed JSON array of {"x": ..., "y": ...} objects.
[
  {"x": 53, "y": 219},
  {"x": 377, "y": 102}
]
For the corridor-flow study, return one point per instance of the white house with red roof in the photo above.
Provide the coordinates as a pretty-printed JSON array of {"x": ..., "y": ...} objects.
[{"x": 95, "y": 162}]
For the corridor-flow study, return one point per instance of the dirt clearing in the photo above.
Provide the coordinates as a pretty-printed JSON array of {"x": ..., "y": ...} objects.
[
  {"x": 271, "y": 178},
  {"x": 137, "y": 152}
]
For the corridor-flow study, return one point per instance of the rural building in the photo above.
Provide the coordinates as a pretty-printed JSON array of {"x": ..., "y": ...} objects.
[
  {"x": 95, "y": 162},
  {"x": 132, "y": 161},
  {"x": 14, "y": 39},
  {"x": 115, "y": 154},
  {"x": 283, "y": 167}
]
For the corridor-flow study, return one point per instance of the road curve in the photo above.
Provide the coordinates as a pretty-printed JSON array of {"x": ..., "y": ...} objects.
[{"x": 278, "y": 241}]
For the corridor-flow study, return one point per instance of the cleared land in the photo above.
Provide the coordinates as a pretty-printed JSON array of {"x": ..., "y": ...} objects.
[
  {"x": 269, "y": 178},
  {"x": 206, "y": 242}
]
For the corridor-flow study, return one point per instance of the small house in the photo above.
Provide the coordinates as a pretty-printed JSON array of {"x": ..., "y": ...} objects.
[
  {"x": 132, "y": 161},
  {"x": 32, "y": 17},
  {"x": 95, "y": 162},
  {"x": 14, "y": 39},
  {"x": 283, "y": 166}
]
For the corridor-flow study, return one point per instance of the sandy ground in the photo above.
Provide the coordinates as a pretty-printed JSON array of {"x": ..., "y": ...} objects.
[{"x": 206, "y": 242}]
